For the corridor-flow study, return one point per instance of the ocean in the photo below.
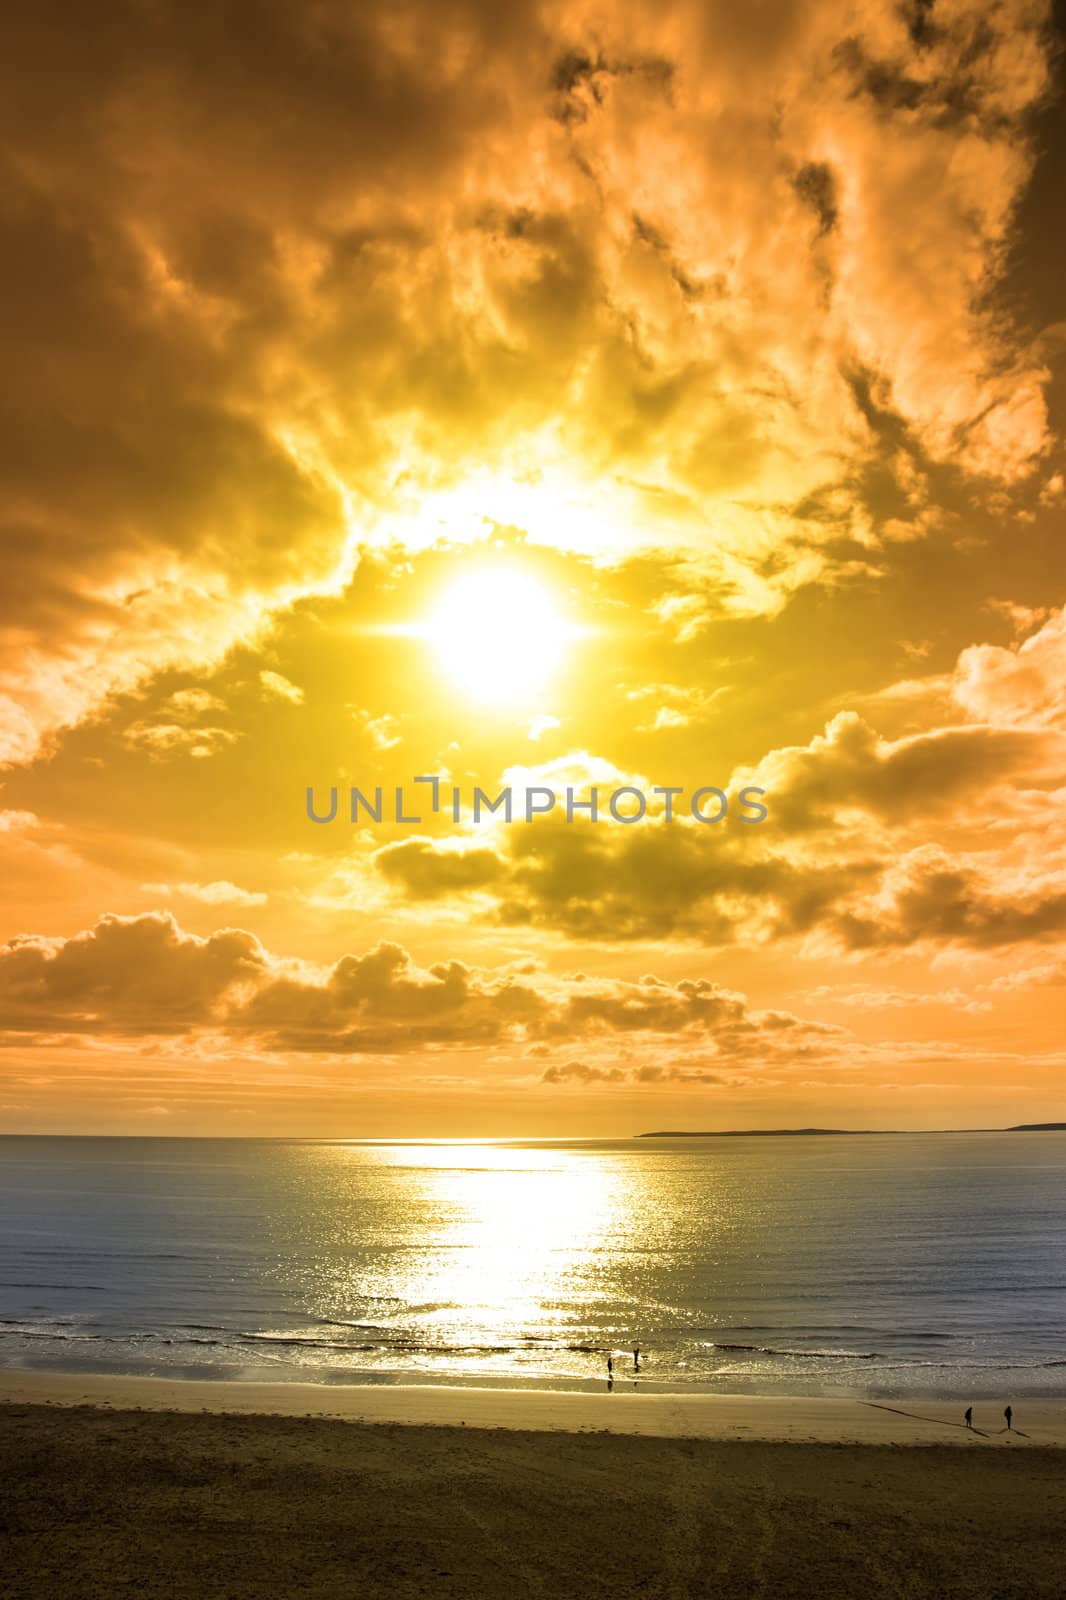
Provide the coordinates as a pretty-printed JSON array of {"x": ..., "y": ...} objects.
[{"x": 880, "y": 1266}]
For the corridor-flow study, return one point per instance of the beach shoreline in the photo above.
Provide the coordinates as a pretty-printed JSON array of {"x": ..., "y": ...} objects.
[{"x": 764, "y": 1418}]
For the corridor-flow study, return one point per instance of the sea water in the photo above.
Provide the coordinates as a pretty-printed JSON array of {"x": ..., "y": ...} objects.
[{"x": 887, "y": 1266}]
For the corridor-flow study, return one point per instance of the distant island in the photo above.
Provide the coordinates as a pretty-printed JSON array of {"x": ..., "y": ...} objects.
[
  {"x": 804, "y": 1133},
  {"x": 751, "y": 1133}
]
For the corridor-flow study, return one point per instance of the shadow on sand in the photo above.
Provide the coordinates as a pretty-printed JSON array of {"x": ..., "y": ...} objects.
[{"x": 944, "y": 1422}]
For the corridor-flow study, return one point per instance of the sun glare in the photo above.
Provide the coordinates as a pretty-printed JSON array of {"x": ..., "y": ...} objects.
[{"x": 499, "y": 636}]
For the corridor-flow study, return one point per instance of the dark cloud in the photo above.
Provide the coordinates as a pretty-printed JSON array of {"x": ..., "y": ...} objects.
[
  {"x": 912, "y": 779},
  {"x": 816, "y": 185},
  {"x": 841, "y": 808},
  {"x": 611, "y": 884},
  {"x": 581, "y": 1072},
  {"x": 126, "y": 975},
  {"x": 146, "y": 976},
  {"x": 929, "y": 897}
]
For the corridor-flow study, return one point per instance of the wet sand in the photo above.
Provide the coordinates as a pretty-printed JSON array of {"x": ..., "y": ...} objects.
[
  {"x": 624, "y": 1410},
  {"x": 522, "y": 1495}
]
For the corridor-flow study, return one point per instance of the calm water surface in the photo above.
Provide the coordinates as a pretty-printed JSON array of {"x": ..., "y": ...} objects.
[{"x": 887, "y": 1266}]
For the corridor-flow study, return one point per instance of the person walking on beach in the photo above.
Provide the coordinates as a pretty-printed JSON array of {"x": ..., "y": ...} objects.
[
  {"x": 636, "y": 1358},
  {"x": 610, "y": 1368},
  {"x": 969, "y": 1416},
  {"x": 1009, "y": 1414}
]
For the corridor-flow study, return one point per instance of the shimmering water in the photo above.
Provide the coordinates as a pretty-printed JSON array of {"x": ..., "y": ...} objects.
[{"x": 906, "y": 1265}]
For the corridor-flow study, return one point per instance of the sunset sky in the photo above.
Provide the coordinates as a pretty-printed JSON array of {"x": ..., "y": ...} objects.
[{"x": 648, "y": 394}]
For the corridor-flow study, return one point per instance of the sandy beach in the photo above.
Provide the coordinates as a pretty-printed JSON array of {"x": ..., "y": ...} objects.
[
  {"x": 208, "y": 1491},
  {"x": 772, "y": 1418}
]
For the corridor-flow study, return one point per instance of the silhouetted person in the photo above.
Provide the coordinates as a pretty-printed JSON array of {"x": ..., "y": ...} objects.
[
  {"x": 610, "y": 1368},
  {"x": 1008, "y": 1413},
  {"x": 969, "y": 1416},
  {"x": 636, "y": 1358}
]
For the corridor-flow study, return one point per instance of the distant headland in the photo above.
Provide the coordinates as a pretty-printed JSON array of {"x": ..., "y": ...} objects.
[
  {"x": 806, "y": 1133},
  {"x": 753, "y": 1133}
]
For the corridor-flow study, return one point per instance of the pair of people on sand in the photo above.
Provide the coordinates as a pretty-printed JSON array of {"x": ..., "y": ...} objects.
[{"x": 1008, "y": 1413}]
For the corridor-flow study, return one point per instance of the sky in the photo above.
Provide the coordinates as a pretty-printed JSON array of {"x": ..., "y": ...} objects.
[{"x": 538, "y": 396}]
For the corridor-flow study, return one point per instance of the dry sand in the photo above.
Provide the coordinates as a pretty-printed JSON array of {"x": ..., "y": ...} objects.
[{"x": 221, "y": 1492}]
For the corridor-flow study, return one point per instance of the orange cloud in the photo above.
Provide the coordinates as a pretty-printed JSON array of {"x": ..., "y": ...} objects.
[{"x": 639, "y": 274}]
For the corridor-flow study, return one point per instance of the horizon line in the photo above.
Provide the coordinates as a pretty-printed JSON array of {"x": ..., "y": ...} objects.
[{"x": 588, "y": 1138}]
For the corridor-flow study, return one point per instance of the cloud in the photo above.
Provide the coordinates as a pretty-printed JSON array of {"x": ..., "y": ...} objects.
[
  {"x": 280, "y": 687},
  {"x": 1024, "y": 685},
  {"x": 647, "y": 261},
  {"x": 219, "y": 893},
  {"x": 843, "y": 811},
  {"x": 667, "y": 717},
  {"x": 185, "y": 705},
  {"x": 581, "y": 1072},
  {"x": 383, "y": 731},
  {"x": 125, "y": 975},
  {"x": 868, "y": 998},
  {"x": 850, "y": 765},
  {"x": 382, "y": 1002},
  {"x": 611, "y": 884},
  {"x": 931, "y": 896},
  {"x": 145, "y": 975},
  {"x": 17, "y": 821},
  {"x": 426, "y": 869},
  {"x": 1047, "y": 974},
  {"x": 163, "y": 739}
]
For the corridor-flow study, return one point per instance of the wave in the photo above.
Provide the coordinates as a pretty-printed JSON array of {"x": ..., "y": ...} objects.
[
  {"x": 409, "y": 1345},
  {"x": 299, "y": 1339},
  {"x": 70, "y": 1252},
  {"x": 43, "y": 1333},
  {"x": 409, "y": 1312},
  {"x": 44, "y": 1324},
  {"x": 832, "y": 1355},
  {"x": 814, "y": 1355},
  {"x": 82, "y": 1288},
  {"x": 806, "y": 1330},
  {"x": 367, "y": 1327}
]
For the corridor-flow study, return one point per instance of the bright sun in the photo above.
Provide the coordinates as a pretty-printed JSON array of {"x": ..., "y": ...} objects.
[{"x": 498, "y": 635}]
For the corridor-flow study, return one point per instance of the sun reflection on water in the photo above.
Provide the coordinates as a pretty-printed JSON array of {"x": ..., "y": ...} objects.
[
  {"x": 878, "y": 1266},
  {"x": 515, "y": 1235},
  {"x": 491, "y": 1260}
]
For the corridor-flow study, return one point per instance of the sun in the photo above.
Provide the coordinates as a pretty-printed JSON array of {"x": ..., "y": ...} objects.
[{"x": 499, "y": 636}]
